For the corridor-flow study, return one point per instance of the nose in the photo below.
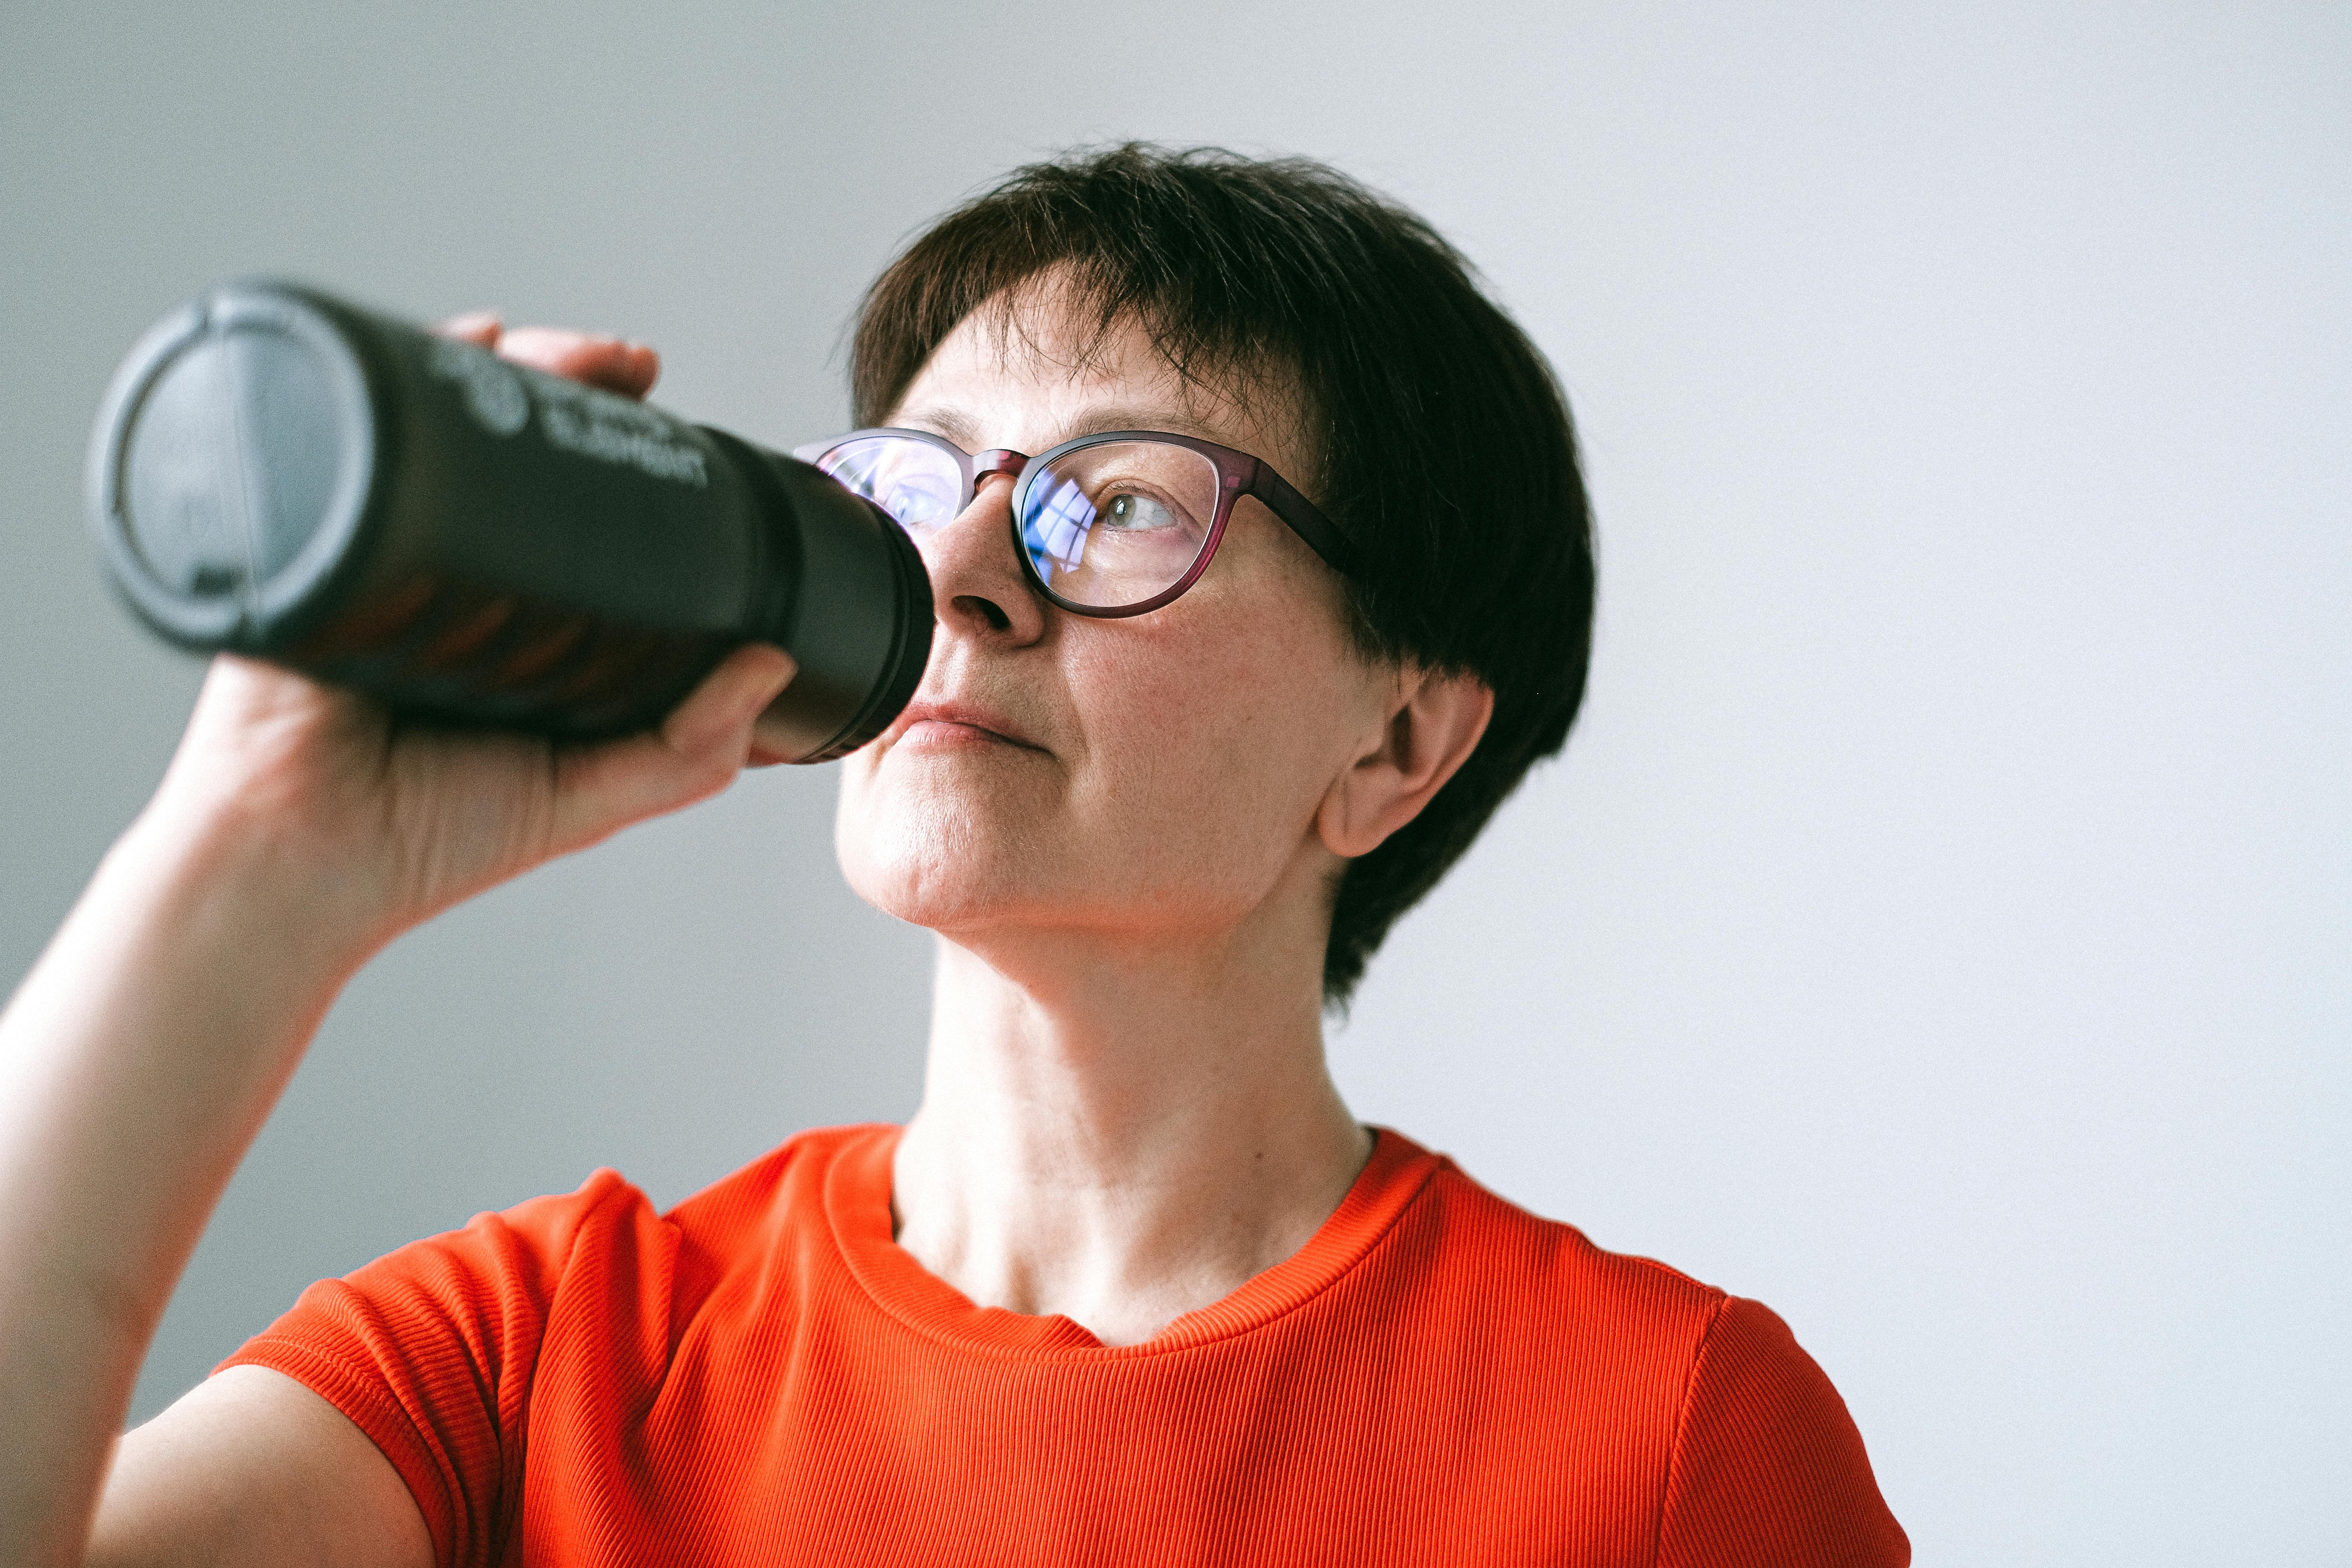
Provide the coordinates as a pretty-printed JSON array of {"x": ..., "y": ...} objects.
[
  {"x": 998, "y": 460},
  {"x": 977, "y": 585}
]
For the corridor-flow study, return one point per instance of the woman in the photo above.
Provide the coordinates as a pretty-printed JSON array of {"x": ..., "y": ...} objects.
[{"x": 1132, "y": 1283}]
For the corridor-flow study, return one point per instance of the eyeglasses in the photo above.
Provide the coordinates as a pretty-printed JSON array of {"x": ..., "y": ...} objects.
[{"x": 1114, "y": 524}]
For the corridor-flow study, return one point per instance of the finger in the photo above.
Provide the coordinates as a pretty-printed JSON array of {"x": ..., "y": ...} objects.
[
  {"x": 698, "y": 750},
  {"x": 629, "y": 369},
  {"x": 472, "y": 326},
  {"x": 762, "y": 756},
  {"x": 716, "y": 719}
]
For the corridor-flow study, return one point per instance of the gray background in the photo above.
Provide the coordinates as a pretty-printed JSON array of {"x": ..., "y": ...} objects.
[{"x": 1937, "y": 927}]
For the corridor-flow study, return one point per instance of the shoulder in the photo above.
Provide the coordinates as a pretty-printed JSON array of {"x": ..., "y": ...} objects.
[
  {"x": 606, "y": 1221},
  {"x": 613, "y": 1243},
  {"x": 1754, "y": 1455},
  {"x": 1544, "y": 1276},
  {"x": 1767, "y": 1464},
  {"x": 439, "y": 1351},
  {"x": 510, "y": 1277}
]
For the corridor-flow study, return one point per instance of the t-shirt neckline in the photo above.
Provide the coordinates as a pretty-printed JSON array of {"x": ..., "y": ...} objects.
[{"x": 857, "y": 1209}]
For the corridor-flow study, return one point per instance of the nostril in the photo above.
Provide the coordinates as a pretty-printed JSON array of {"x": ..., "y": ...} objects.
[{"x": 988, "y": 610}]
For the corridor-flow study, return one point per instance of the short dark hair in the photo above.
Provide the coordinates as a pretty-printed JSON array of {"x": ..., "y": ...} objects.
[{"x": 1444, "y": 443}]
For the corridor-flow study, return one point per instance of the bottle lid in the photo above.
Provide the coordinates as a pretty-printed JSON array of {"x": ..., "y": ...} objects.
[{"x": 232, "y": 463}]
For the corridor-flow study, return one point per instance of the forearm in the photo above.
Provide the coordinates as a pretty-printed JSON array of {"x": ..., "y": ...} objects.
[
  {"x": 297, "y": 830},
  {"x": 137, "y": 1062}
]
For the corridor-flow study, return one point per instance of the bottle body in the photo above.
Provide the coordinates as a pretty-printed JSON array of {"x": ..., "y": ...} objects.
[{"x": 280, "y": 474}]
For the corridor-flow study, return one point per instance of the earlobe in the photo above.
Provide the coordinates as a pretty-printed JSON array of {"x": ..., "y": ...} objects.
[{"x": 1430, "y": 728}]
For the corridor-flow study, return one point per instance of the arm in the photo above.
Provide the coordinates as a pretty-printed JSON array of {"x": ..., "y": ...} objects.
[
  {"x": 251, "y": 1466},
  {"x": 297, "y": 831}
]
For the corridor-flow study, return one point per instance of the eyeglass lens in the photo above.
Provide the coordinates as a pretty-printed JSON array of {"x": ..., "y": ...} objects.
[
  {"x": 1105, "y": 526},
  {"x": 914, "y": 481}
]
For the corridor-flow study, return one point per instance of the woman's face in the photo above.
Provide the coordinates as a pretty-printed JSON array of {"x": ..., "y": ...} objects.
[{"x": 1152, "y": 776}]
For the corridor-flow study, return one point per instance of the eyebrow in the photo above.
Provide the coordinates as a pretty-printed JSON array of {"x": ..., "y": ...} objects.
[{"x": 965, "y": 432}]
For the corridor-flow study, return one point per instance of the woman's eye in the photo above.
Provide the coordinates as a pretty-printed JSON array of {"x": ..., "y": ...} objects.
[
  {"x": 1134, "y": 512},
  {"x": 915, "y": 506},
  {"x": 907, "y": 506}
]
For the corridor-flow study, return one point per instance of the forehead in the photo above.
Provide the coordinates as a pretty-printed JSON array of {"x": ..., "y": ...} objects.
[{"x": 1039, "y": 367}]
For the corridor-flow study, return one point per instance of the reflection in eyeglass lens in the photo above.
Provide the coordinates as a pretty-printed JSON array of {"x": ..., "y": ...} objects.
[
  {"x": 913, "y": 481},
  {"x": 1119, "y": 523}
]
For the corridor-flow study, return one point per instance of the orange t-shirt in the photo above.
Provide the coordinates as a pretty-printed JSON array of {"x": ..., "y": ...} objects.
[{"x": 762, "y": 1375}]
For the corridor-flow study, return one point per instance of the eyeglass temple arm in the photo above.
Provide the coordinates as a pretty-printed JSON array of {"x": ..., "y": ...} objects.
[{"x": 1321, "y": 534}]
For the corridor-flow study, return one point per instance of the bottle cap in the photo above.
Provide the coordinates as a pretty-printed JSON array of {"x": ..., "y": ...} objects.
[{"x": 231, "y": 463}]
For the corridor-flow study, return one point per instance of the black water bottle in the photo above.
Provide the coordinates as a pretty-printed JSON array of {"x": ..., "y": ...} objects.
[{"x": 279, "y": 473}]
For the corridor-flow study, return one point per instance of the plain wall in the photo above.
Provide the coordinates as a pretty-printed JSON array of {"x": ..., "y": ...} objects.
[{"x": 1937, "y": 926}]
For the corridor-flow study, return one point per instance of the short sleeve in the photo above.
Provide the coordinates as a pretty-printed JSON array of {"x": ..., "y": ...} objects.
[
  {"x": 431, "y": 1350},
  {"x": 1768, "y": 1470}
]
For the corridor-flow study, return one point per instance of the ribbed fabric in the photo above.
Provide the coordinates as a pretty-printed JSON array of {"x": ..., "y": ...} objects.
[{"x": 762, "y": 1375}]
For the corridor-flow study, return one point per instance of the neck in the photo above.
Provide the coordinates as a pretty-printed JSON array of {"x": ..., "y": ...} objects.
[{"x": 1119, "y": 1140}]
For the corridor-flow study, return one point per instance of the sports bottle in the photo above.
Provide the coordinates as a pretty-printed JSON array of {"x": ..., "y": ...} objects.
[{"x": 279, "y": 473}]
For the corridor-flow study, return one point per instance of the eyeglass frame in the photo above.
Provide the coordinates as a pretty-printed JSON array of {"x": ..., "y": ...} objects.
[{"x": 1238, "y": 474}]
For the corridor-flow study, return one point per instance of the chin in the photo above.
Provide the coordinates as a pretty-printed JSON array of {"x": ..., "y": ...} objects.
[{"x": 932, "y": 855}]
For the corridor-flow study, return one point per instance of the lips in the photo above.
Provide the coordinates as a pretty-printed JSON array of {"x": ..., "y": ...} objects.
[{"x": 986, "y": 723}]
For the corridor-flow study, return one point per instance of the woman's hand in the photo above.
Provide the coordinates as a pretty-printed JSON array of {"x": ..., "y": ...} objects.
[
  {"x": 297, "y": 830},
  {"x": 389, "y": 823},
  {"x": 416, "y": 818}
]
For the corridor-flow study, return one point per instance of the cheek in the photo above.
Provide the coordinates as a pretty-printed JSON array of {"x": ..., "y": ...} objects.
[
  {"x": 1204, "y": 737},
  {"x": 1208, "y": 754}
]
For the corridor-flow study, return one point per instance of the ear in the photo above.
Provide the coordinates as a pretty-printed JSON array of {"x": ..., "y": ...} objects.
[{"x": 1431, "y": 724}]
